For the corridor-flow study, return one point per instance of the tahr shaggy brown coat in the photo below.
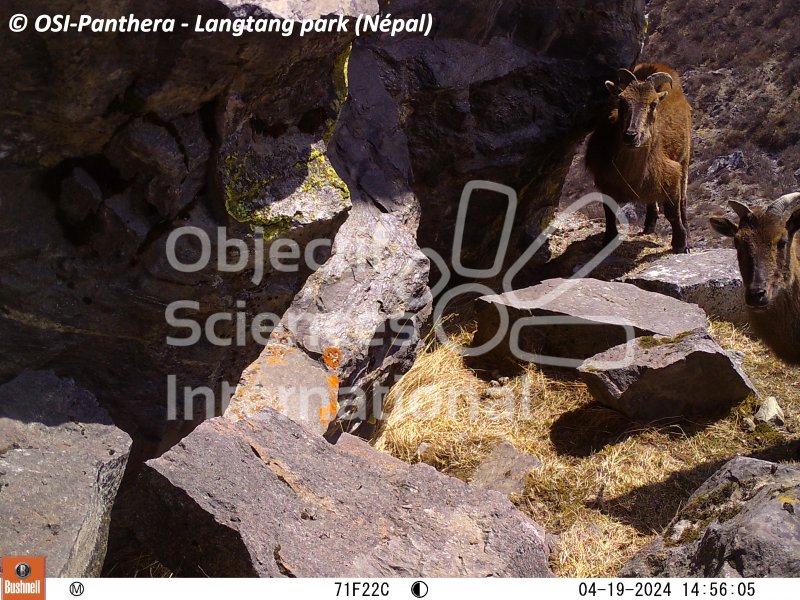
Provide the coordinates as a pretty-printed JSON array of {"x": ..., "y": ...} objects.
[
  {"x": 768, "y": 248},
  {"x": 640, "y": 153}
]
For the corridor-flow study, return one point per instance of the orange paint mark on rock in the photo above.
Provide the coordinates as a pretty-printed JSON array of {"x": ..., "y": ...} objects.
[
  {"x": 332, "y": 357},
  {"x": 328, "y": 413}
]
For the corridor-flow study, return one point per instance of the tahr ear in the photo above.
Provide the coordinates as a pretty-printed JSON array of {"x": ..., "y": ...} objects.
[
  {"x": 724, "y": 226},
  {"x": 662, "y": 95},
  {"x": 613, "y": 88},
  {"x": 793, "y": 224}
]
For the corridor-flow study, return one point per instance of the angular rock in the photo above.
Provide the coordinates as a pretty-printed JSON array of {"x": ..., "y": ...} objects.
[
  {"x": 710, "y": 279},
  {"x": 744, "y": 521},
  {"x": 771, "y": 412},
  {"x": 505, "y": 470},
  {"x": 286, "y": 380},
  {"x": 61, "y": 463},
  {"x": 732, "y": 162},
  {"x": 366, "y": 305},
  {"x": 284, "y": 185},
  {"x": 263, "y": 497},
  {"x": 564, "y": 322},
  {"x": 80, "y": 196},
  {"x": 661, "y": 377}
]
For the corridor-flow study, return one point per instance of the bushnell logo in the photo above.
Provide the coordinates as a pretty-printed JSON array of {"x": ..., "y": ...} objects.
[{"x": 23, "y": 578}]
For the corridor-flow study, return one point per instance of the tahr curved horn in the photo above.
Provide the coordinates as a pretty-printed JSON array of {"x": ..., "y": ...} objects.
[
  {"x": 625, "y": 77},
  {"x": 784, "y": 204},
  {"x": 660, "y": 78}
]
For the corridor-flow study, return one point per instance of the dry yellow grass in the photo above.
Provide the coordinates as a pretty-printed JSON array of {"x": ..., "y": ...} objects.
[{"x": 607, "y": 485}]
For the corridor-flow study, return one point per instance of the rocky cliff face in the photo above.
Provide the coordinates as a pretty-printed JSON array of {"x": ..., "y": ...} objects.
[{"x": 113, "y": 141}]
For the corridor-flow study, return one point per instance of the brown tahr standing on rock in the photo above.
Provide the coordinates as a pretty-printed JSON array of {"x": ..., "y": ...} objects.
[
  {"x": 769, "y": 253},
  {"x": 640, "y": 153}
]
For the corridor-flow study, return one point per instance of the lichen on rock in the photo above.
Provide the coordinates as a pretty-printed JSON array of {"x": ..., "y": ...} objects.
[{"x": 285, "y": 185}]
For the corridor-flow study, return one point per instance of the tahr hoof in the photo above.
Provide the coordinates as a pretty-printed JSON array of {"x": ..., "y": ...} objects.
[{"x": 682, "y": 250}]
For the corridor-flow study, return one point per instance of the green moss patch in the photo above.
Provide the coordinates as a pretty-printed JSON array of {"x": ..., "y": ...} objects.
[{"x": 649, "y": 341}]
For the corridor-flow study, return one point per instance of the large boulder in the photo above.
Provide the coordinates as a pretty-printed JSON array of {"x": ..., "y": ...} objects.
[
  {"x": 743, "y": 522},
  {"x": 709, "y": 279},
  {"x": 263, "y": 497},
  {"x": 61, "y": 463},
  {"x": 660, "y": 377},
  {"x": 565, "y": 321}
]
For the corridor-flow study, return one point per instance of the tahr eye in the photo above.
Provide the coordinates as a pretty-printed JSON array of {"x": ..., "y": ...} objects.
[
  {"x": 782, "y": 244},
  {"x": 653, "y": 105}
]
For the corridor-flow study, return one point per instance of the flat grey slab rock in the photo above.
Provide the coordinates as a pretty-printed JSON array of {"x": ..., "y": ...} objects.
[
  {"x": 744, "y": 521},
  {"x": 660, "y": 377},
  {"x": 572, "y": 320},
  {"x": 263, "y": 497},
  {"x": 710, "y": 279},
  {"x": 61, "y": 463},
  {"x": 505, "y": 470}
]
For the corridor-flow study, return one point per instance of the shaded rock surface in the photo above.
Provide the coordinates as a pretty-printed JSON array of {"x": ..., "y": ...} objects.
[
  {"x": 263, "y": 497},
  {"x": 710, "y": 279},
  {"x": 113, "y": 141},
  {"x": 572, "y": 320},
  {"x": 505, "y": 470},
  {"x": 661, "y": 377},
  {"x": 744, "y": 521},
  {"x": 61, "y": 463}
]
